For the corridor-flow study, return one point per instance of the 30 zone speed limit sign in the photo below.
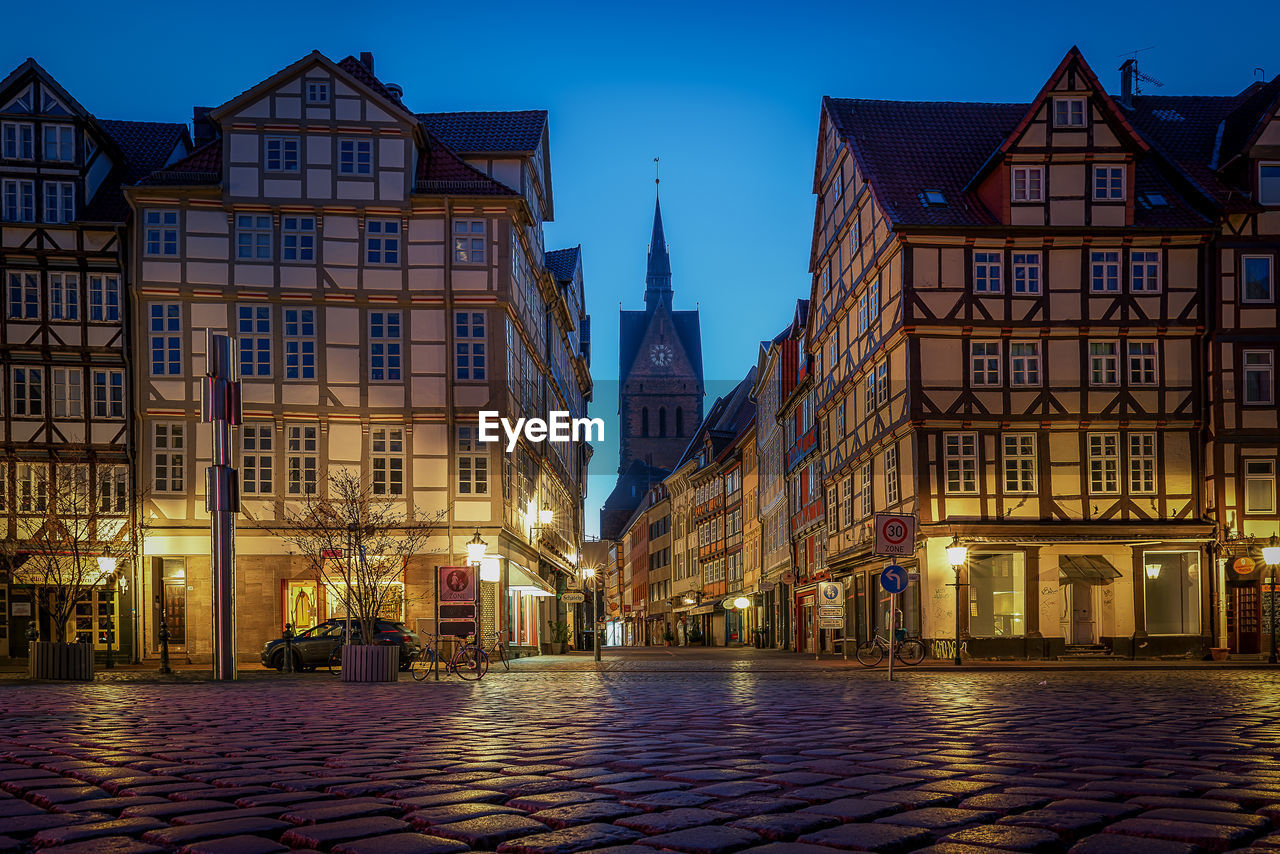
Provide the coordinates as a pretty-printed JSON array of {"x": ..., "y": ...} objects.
[{"x": 895, "y": 535}]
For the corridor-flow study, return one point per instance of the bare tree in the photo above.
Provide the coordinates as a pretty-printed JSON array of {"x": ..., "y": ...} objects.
[
  {"x": 357, "y": 541},
  {"x": 74, "y": 538}
]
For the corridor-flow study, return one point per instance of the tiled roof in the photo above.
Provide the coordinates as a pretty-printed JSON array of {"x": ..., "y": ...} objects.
[
  {"x": 442, "y": 171},
  {"x": 202, "y": 166},
  {"x": 563, "y": 262},
  {"x": 361, "y": 72},
  {"x": 470, "y": 133},
  {"x": 907, "y": 147},
  {"x": 144, "y": 146}
]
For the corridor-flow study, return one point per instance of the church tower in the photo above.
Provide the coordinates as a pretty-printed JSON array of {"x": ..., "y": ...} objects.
[
  {"x": 660, "y": 387},
  {"x": 660, "y": 369}
]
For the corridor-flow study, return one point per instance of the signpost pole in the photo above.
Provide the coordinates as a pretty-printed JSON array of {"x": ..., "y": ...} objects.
[{"x": 893, "y": 634}]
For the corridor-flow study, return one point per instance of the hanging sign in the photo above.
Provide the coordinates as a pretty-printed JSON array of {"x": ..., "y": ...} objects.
[{"x": 1243, "y": 565}]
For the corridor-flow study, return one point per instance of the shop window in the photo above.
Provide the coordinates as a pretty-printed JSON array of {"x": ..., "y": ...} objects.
[
  {"x": 997, "y": 594},
  {"x": 1172, "y": 592}
]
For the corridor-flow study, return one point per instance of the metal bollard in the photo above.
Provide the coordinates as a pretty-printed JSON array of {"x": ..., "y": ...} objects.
[
  {"x": 164, "y": 647},
  {"x": 288, "y": 647}
]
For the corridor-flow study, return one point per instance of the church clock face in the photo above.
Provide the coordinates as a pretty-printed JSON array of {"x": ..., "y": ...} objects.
[{"x": 661, "y": 355}]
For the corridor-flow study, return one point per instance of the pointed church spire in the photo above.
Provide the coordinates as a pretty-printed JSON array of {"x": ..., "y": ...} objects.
[{"x": 657, "y": 281}]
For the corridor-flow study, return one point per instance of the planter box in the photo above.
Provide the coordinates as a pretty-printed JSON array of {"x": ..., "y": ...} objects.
[
  {"x": 370, "y": 663},
  {"x": 1219, "y": 653},
  {"x": 51, "y": 660}
]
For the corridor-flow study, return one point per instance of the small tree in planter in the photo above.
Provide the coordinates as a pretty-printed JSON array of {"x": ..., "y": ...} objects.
[
  {"x": 73, "y": 541},
  {"x": 358, "y": 540}
]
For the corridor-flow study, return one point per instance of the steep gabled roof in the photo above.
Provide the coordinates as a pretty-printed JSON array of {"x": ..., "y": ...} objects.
[
  {"x": 144, "y": 147},
  {"x": 563, "y": 263},
  {"x": 360, "y": 80},
  {"x": 488, "y": 132}
]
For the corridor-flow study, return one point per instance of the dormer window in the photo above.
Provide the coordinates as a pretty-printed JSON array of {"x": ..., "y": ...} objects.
[
  {"x": 1068, "y": 112},
  {"x": 1028, "y": 183},
  {"x": 1269, "y": 183},
  {"x": 317, "y": 91}
]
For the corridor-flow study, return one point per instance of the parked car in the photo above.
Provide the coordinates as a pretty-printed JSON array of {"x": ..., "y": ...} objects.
[{"x": 312, "y": 648}]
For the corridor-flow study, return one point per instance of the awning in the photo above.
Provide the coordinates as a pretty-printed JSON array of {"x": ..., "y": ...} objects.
[
  {"x": 520, "y": 580},
  {"x": 1094, "y": 568}
]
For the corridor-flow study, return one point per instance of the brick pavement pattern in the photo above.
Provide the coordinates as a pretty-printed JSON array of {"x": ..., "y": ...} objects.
[{"x": 630, "y": 762}]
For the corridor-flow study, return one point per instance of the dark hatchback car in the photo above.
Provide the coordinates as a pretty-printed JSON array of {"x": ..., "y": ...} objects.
[{"x": 314, "y": 647}]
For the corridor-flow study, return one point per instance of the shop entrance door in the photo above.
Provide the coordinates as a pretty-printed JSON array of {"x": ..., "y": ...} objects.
[
  {"x": 1244, "y": 618},
  {"x": 175, "y": 612},
  {"x": 301, "y": 604}
]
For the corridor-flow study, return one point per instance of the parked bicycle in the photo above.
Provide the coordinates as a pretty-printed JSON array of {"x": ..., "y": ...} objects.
[
  {"x": 908, "y": 650},
  {"x": 497, "y": 650},
  {"x": 470, "y": 661}
]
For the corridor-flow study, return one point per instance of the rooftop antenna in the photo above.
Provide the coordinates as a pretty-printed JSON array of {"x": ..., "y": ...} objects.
[
  {"x": 1138, "y": 76},
  {"x": 1260, "y": 73}
]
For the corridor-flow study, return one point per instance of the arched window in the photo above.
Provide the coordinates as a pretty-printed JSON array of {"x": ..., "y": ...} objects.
[
  {"x": 644, "y": 421},
  {"x": 679, "y": 421},
  {"x": 662, "y": 421}
]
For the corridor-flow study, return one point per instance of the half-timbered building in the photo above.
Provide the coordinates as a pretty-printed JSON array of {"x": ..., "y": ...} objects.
[
  {"x": 384, "y": 276},
  {"x": 64, "y": 354},
  {"x": 1227, "y": 151},
  {"x": 1007, "y": 325}
]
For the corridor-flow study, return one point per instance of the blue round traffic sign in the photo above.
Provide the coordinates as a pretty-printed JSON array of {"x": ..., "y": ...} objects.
[{"x": 893, "y": 579}]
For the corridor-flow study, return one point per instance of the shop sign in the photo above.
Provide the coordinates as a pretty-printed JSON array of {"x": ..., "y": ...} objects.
[
  {"x": 767, "y": 586},
  {"x": 572, "y": 598},
  {"x": 22, "y": 609},
  {"x": 788, "y": 577},
  {"x": 1243, "y": 565}
]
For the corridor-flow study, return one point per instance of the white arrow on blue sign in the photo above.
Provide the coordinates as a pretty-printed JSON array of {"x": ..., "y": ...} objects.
[{"x": 894, "y": 579}]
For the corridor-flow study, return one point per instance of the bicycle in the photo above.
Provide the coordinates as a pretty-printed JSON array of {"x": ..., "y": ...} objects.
[
  {"x": 498, "y": 651},
  {"x": 908, "y": 650},
  {"x": 469, "y": 662}
]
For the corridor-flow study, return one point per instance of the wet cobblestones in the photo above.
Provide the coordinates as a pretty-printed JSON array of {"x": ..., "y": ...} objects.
[{"x": 714, "y": 762}]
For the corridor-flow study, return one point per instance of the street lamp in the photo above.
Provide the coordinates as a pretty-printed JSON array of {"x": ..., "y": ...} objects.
[
  {"x": 1271, "y": 555},
  {"x": 476, "y": 548},
  {"x": 596, "y": 608},
  {"x": 956, "y": 555}
]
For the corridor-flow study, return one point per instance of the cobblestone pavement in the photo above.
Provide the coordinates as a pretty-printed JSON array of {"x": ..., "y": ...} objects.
[{"x": 537, "y": 762}]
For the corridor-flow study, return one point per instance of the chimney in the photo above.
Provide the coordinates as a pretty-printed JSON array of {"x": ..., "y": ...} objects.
[
  {"x": 396, "y": 90},
  {"x": 366, "y": 59},
  {"x": 202, "y": 128},
  {"x": 1126, "y": 83}
]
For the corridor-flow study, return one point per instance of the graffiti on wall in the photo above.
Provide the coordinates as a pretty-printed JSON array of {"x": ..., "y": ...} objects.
[{"x": 946, "y": 648}]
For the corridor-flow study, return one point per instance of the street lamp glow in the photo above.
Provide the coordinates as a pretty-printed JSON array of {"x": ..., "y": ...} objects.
[
  {"x": 742, "y": 602},
  {"x": 956, "y": 552},
  {"x": 588, "y": 571},
  {"x": 1271, "y": 551},
  {"x": 107, "y": 565},
  {"x": 545, "y": 515},
  {"x": 476, "y": 549},
  {"x": 490, "y": 569}
]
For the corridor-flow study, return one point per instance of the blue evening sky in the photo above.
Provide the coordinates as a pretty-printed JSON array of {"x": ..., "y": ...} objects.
[{"x": 727, "y": 94}]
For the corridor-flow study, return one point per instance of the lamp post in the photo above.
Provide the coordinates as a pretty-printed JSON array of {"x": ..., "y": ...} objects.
[
  {"x": 1271, "y": 555},
  {"x": 476, "y": 549},
  {"x": 590, "y": 572},
  {"x": 956, "y": 555}
]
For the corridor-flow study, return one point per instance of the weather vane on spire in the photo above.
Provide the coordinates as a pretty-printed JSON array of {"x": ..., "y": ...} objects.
[{"x": 656, "y": 178}]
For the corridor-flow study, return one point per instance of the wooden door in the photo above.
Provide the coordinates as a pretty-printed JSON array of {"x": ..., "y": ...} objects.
[
  {"x": 1244, "y": 618},
  {"x": 175, "y": 612},
  {"x": 1082, "y": 614}
]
